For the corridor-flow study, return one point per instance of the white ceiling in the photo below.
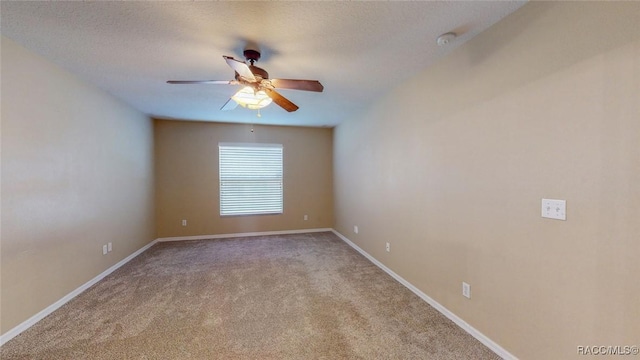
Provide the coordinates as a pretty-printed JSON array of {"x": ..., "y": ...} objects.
[{"x": 358, "y": 50}]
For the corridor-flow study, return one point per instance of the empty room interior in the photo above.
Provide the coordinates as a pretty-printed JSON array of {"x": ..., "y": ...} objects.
[{"x": 436, "y": 180}]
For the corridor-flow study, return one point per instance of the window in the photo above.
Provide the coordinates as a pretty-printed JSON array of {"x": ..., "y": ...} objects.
[{"x": 250, "y": 179}]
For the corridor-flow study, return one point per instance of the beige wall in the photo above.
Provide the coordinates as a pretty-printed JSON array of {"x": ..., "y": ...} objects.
[
  {"x": 77, "y": 172},
  {"x": 187, "y": 185},
  {"x": 451, "y": 167}
]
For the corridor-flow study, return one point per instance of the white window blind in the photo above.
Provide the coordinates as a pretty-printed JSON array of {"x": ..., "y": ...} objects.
[{"x": 250, "y": 179}]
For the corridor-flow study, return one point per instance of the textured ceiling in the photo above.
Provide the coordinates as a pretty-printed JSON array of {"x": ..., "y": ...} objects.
[{"x": 358, "y": 50}]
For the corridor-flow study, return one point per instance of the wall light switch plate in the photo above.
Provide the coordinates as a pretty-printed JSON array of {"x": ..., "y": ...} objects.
[
  {"x": 184, "y": 222},
  {"x": 466, "y": 290},
  {"x": 355, "y": 229},
  {"x": 104, "y": 249},
  {"x": 554, "y": 209},
  {"x": 109, "y": 247}
]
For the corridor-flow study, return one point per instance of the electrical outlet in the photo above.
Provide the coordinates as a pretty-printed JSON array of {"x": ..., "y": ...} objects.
[
  {"x": 388, "y": 247},
  {"x": 105, "y": 250},
  {"x": 306, "y": 217},
  {"x": 355, "y": 229},
  {"x": 184, "y": 222},
  {"x": 466, "y": 290},
  {"x": 109, "y": 247}
]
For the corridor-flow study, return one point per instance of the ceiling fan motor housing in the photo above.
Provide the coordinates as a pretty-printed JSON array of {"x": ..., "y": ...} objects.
[{"x": 259, "y": 72}]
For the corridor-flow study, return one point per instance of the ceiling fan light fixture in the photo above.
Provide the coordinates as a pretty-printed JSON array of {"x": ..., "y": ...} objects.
[
  {"x": 250, "y": 99},
  {"x": 259, "y": 90}
]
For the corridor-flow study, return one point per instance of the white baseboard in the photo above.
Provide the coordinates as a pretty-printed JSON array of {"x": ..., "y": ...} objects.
[
  {"x": 500, "y": 351},
  {"x": 53, "y": 307},
  {"x": 225, "y": 236}
]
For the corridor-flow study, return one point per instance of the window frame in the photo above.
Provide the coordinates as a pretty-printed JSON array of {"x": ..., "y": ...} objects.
[{"x": 273, "y": 179}]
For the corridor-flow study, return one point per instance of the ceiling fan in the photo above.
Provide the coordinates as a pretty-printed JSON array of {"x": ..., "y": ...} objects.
[{"x": 258, "y": 91}]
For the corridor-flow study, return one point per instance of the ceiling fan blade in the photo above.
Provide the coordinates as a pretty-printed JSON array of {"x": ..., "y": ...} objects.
[
  {"x": 208, "y": 82},
  {"x": 306, "y": 85},
  {"x": 240, "y": 67},
  {"x": 281, "y": 100},
  {"x": 229, "y": 105}
]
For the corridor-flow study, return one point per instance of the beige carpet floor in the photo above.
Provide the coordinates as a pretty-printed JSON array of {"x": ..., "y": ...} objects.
[{"x": 302, "y": 296}]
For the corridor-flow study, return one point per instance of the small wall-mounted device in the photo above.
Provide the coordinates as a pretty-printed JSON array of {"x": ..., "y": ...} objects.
[{"x": 445, "y": 39}]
